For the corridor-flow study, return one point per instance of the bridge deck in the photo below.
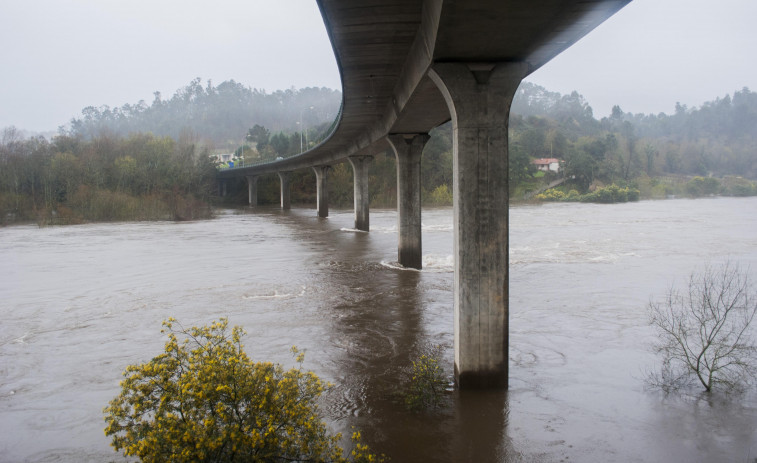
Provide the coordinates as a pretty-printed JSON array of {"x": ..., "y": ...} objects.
[{"x": 384, "y": 49}]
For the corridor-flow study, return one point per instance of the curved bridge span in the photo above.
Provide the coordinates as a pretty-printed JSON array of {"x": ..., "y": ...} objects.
[{"x": 408, "y": 66}]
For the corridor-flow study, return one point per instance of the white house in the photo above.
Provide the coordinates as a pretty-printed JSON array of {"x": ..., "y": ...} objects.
[
  {"x": 547, "y": 164},
  {"x": 224, "y": 158}
]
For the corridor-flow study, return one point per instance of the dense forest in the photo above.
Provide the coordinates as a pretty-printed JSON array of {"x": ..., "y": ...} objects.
[
  {"x": 694, "y": 152},
  {"x": 157, "y": 161}
]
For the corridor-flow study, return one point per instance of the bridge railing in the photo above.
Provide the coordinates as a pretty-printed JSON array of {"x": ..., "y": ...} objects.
[{"x": 319, "y": 141}]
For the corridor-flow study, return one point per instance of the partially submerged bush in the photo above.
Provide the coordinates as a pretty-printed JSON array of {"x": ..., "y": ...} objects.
[
  {"x": 427, "y": 382},
  {"x": 704, "y": 332},
  {"x": 204, "y": 400}
]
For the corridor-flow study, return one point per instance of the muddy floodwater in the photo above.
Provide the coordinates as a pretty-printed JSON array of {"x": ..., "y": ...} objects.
[{"x": 80, "y": 303}]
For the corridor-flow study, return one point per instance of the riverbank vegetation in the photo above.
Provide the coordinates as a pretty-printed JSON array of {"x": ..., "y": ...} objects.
[
  {"x": 695, "y": 152},
  {"x": 426, "y": 383},
  {"x": 205, "y": 400},
  {"x": 158, "y": 161},
  {"x": 106, "y": 178}
]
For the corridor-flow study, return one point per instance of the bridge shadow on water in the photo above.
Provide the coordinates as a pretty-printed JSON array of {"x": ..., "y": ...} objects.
[{"x": 377, "y": 320}]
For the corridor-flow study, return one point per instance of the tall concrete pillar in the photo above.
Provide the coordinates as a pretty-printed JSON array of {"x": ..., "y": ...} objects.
[
  {"x": 252, "y": 189},
  {"x": 408, "y": 149},
  {"x": 284, "y": 178},
  {"x": 479, "y": 97},
  {"x": 322, "y": 190},
  {"x": 362, "y": 199}
]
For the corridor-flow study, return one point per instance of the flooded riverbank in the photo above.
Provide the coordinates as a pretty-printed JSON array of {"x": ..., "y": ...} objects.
[{"x": 80, "y": 303}]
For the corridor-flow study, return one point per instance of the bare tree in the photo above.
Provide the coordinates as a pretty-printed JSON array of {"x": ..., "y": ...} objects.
[{"x": 704, "y": 332}]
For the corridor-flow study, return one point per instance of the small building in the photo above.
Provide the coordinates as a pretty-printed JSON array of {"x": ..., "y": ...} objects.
[
  {"x": 224, "y": 158},
  {"x": 547, "y": 164}
]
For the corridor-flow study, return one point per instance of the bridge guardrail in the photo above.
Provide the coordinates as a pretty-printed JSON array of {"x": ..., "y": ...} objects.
[{"x": 320, "y": 140}]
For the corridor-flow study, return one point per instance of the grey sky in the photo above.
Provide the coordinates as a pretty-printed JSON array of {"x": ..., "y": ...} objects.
[{"x": 62, "y": 55}]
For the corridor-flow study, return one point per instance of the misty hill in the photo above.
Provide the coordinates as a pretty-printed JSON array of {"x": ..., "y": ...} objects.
[
  {"x": 718, "y": 138},
  {"x": 219, "y": 115}
]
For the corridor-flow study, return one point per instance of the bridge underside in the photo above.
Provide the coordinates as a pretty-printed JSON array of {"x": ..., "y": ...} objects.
[{"x": 408, "y": 66}]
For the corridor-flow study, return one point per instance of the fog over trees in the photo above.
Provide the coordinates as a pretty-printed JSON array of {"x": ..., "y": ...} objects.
[
  {"x": 218, "y": 114},
  {"x": 162, "y": 153}
]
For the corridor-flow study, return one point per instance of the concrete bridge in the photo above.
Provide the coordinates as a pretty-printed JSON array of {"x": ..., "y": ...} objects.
[{"x": 408, "y": 66}]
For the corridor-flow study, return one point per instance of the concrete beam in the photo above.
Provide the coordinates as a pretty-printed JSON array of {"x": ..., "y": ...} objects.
[
  {"x": 252, "y": 189},
  {"x": 322, "y": 195},
  {"x": 362, "y": 199},
  {"x": 284, "y": 178},
  {"x": 408, "y": 149},
  {"x": 479, "y": 97}
]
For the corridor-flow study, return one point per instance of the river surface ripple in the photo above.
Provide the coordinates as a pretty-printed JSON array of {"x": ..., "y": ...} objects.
[{"x": 80, "y": 303}]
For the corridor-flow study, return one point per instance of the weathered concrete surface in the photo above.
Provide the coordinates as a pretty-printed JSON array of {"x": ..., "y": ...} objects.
[
  {"x": 360, "y": 166},
  {"x": 408, "y": 149},
  {"x": 284, "y": 179},
  {"x": 384, "y": 50},
  {"x": 409, "y": 66},
  {"x": 479, "y": 98},
  {"x": 322, "y": 190},
  {"x": 252, "y": 189}
]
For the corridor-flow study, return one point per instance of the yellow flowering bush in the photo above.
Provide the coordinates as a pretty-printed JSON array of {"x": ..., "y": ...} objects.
[
  {"x": 551, "y": 195},
  {"x": 427, "y": 382},
  {"x": 204, "y": 400}
]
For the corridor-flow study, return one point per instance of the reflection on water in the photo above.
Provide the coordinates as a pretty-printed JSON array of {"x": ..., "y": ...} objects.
[{"x": 80, "y": 303}]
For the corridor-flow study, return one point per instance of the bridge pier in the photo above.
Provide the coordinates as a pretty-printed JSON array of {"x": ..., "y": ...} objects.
[
  {"x": 408, "y": 149},
  {"x": 252, "y": 189},
  {"x": 284, "y": 178},
  {"x": 362, "y": 199},
  {"x": 478, "y": 96},
  {"x": 322, "y": 191}
]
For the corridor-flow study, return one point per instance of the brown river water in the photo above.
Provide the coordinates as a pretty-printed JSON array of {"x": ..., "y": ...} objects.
[{"x": 80, "y": 303}]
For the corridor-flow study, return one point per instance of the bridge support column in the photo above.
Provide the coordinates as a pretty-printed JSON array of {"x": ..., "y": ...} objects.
[
  {"x": 408, "y": 149},
  {"x": 479, "y": 97},
  {"x": 252, "y": 189},
  {"x": 362, "y": 199},
  {"x": 284, "y": 178},
  {"x": 322, "y": 195}
]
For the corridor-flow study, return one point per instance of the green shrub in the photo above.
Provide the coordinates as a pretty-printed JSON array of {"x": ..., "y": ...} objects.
[
  {"x": 740, "y": 187},
  {"x": 441, "y": 196},
  {"x": 611, "y": 194},
  {"x": 702, "y": 186},
  {"x": 427, "y": 384}
]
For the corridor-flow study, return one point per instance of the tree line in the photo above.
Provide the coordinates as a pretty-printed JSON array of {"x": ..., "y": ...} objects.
[
  {"x": 141, "y": 161},
  {"x": 657, "y": 154},
  {"x": 73, "y": 179},
  {"x": 694, "y": 152},
  {"x": 219, "y": 115}
]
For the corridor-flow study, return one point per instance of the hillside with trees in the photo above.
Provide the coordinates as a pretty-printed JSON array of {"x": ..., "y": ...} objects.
[
  {"x": 157, "y": 161},
  {"x": 217, "y": 115},
  {"x": 694, "y": 152}
]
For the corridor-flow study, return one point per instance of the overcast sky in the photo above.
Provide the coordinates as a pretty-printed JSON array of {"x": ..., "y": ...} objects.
[{"x": 59, "y": 56}]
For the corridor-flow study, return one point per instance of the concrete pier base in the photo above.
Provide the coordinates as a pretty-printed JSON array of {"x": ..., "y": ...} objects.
[
  {"x": 322, "y": 191},
  {"x": 362, "y": 200},
  {"x": 478, "y": 96},
  {"x": 252, "y": 189},
  {"x": 284, "y": 178},
  {"x": 408, "y": 149}
]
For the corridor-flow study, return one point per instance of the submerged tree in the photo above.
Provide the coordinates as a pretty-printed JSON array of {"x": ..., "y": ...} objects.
[
  {"x": 204, "y": 400},
  {"x": 704, "y": 331}
]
